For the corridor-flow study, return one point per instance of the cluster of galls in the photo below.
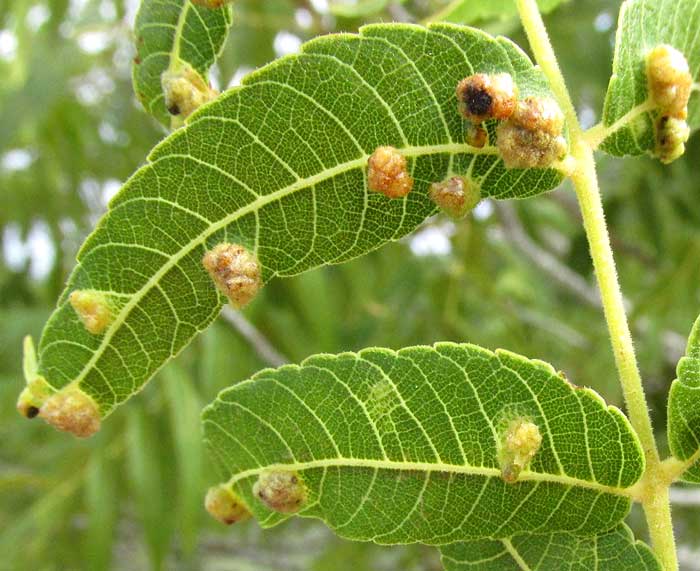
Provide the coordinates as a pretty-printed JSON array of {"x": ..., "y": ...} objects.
[
  {"x": 530, "y": 131},
  {"x": 669, "y": 83},
  {"x": 281, "y": 491}
]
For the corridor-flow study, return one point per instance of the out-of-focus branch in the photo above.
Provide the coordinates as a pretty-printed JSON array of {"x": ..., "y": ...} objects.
[
  {"x": 544, "y": 260},
  {"x": 685, "y": 497},
  {"x": 262, "y": 346}
]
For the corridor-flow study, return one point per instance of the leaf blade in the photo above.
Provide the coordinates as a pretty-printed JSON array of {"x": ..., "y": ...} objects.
[
  {"x": 363, "y": 426},
  {"x": 684, "y": 409},
  {"x": 615, "y": 550},
  {"x": 172, "y": 31},
  {"x": 642, "y": 25},
  {"x": 228, "y": 175}
]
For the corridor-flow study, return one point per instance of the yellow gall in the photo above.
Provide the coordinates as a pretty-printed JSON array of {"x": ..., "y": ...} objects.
[
  {"x": 72, "y": 410},
  {"x": 33, "y": 397},
  {"x": 532, "y": 137},
  {"x": 539, "y": 114},
  {"x": 280, "y": 491},
  {"x": 224, "y": 505},
  {"x": 477, "y": 136},
  {"x": 520, "y": 443},
  {"x": 387, "y": 172},
  {"x": 482, "y": 96},
  {"x": 671, "y": 136},
  {"x": 93, "y": 308},
  {"x": 669, "y": 80},
  {"x": 185, "y": 91},
  {"x": 235, "y": 271},
  {"x": 522, "y": 149},
  {"x": 456, "y": 196}
]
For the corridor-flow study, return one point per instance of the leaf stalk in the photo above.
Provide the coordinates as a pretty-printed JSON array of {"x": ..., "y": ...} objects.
[{"x": 655, "y": 497}]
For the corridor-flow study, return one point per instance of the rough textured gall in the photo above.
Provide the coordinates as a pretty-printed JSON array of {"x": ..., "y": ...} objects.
[
  {"x": 225, "y": 506},
  {"x": 72, "y": 410},
  {"x": 387, "y": 172},
  {"x": 669, "y": 80},
  {"x": 532, "y": 137},
  {"x": 456, "y": 196},
  {"x": 93, "y": 308},
  {"x": 520, "y": 443},
  {"x": 280, "y": 491},
  {"x": 483, "y": 96},
  {"x": 185, "y": 91},
  {"x": 671, "y": 136},
  {"x": 235, "y": 271}
]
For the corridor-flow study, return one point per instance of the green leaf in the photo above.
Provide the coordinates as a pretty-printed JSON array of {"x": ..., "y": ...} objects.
[
  {"x": 146, "y": 482},
  {"x": 470, "y": 11},
  {"x": 615, "y": 550},
  {"x": 279, "y": 166},
  {"x": 644, "y": 24},
  {"x": 169, "y": 32},
  {"x": 404, "y": 446},
  {"x": 102, "y": 504},
  {"x": 184, "y": 405},
  {"x": 358, "y": 9},
  {"x": 684, "y": 408}
]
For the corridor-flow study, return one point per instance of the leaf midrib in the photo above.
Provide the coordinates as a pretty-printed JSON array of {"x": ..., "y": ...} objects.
[
  {"x": 257, "y": 204},
  {"x": 430, "y": 467}
]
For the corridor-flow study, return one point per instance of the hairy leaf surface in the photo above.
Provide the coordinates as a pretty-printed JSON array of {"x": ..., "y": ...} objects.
[
  {"x": 684, "y": 408},
  {"x": 170, "y": 31},
  {"x": 403, "y": 446},
  {"x": 615, "y": 550},
  {"x": 279, "y": 166},
  {"x": 644, "y": 24}
]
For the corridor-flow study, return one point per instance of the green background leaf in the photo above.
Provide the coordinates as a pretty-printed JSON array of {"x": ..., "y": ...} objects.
[
  {"x": 644, "y": 24},
  {"x": 612, "y": 551},
  {"x": 278, "y": 166},
  {"x": 470, "y": 11},
  {"x": 174, "y": 29},
  {"x": 399, "y": 447},
  {"x": 684, "y": 408}
]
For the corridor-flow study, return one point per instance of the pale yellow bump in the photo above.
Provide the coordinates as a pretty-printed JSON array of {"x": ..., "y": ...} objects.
[
  {"x": 281, "y": 491},
  {"x": 456, "y": 196},
  {"x": 93, "y": 308},
  {"x": 532, "y": 137},
  {"x": 520, "y": 443},
  {"x": 235, "y": 271},
  {"x": 671, "y": 136},
  {"x": 387, "y": 172},
  {"x": 669, "y": 80},
  {"x": 185, "y": 91},
  {"x": 224, "y": 505},
  {"x": 72, "y": 410}
]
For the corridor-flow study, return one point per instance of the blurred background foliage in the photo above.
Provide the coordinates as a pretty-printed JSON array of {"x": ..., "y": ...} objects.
[{"x": 513, "y": 275}]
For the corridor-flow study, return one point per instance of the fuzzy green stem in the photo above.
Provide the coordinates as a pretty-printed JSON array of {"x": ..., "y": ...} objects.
[{"x": 655, "y": 498}]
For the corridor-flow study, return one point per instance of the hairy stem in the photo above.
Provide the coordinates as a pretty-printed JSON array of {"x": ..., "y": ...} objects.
[{"x": 655, "y": 498}]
